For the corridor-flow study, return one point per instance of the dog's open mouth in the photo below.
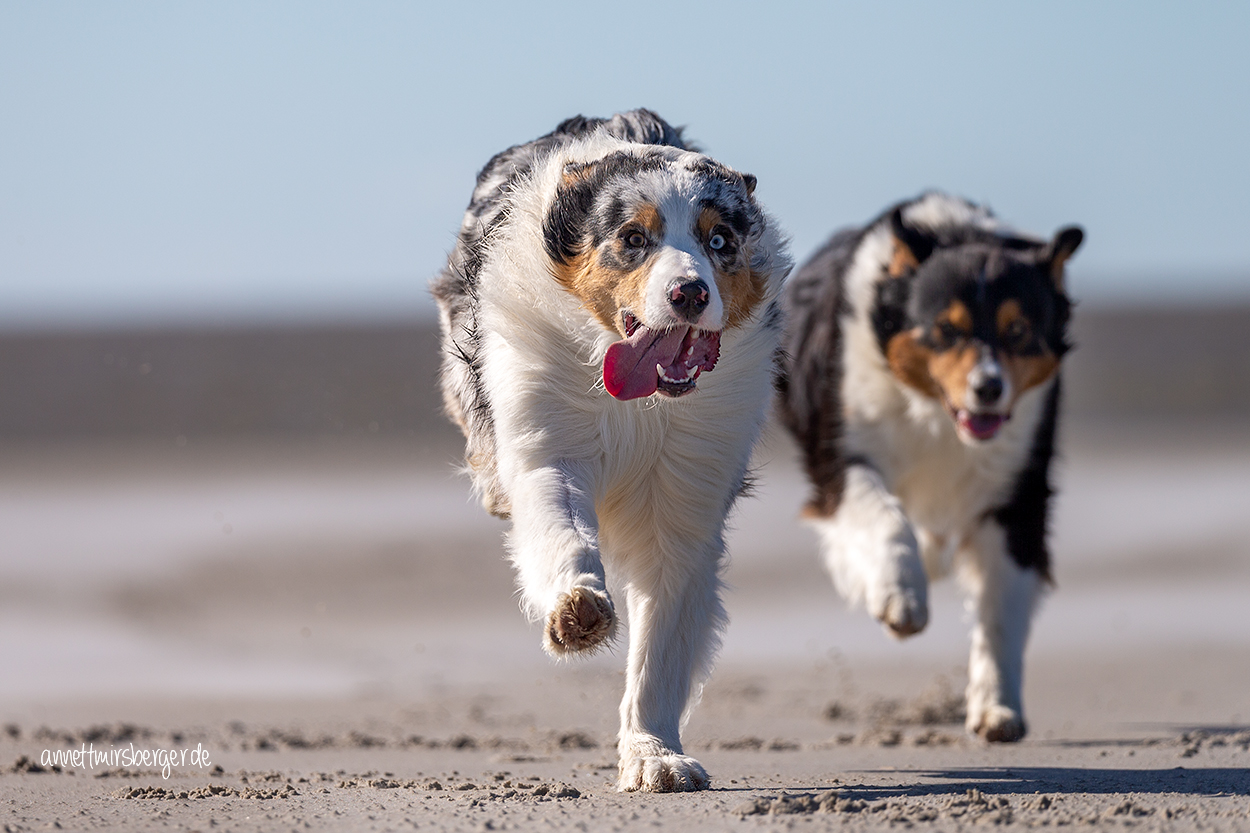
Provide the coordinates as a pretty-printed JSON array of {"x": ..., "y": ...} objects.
[
  {"x": 669, "y": 361},
  {"x": 981, "y": 426}
]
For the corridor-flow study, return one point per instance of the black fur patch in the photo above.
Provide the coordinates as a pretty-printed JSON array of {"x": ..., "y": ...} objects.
[
  {"x": 889, "y": 314},
  {"x": 980, "y": 268},
  {"x": 568, "y": 224},
  {"x": 809, "y": 375},
  {"x": 982, "y": 278},
  {"x": 734, "y": 214},
  {"x": 1026, "y": 516},
  {"x": 642, "y": 126}
]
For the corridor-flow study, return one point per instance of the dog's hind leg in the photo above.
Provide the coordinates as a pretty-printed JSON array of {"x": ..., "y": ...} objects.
[
  {"x": 675, "y": 616},
  {"x": 555, "y": 550},
  {"x": 871, "y": 551},
  {"x": 1003, "y": 596}
]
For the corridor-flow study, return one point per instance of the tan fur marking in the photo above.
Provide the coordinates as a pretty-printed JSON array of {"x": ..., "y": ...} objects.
[
  {"x": 903, "y": 261},
  {"x": 741, "y": 291},
  {"x": 1024, "y": 371},
  {"x": 958, "y": 316},
  {"x": 909, "y": 362},
  {"x": 950, "y": 370},
  {"x": 1009, "y": 313},
  {"x": 601, "y": 290},
  {"x": 709, "y": 218},
  {"x": 605, "y": 291},
  {"x": 576, "y": 171},
  {"x": 1029, "y": 371},
  {"x": 648, "y": 216}
]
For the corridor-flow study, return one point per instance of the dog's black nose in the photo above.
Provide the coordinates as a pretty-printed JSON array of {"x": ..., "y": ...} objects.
[
  {"x": 689, "y": 299},
  {"x": 988, "y": 390}
]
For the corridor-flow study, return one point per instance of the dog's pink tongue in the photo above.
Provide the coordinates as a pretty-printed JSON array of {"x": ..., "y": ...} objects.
[
  {"x": 629, "y": 367},
  {"x": 981, "y": 426}
]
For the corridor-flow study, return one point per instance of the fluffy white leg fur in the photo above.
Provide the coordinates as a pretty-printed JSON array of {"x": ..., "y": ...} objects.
[
  {"x": 555, "y": 550},
  {"x": 1002, "y": 598},
  {"x": 675, "y": 616},
  {"x": 870, "y": 549}
]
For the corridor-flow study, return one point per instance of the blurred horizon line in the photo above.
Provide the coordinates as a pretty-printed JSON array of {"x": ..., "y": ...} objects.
[
  {"x": 381, "y": 376},
  {"x": 1214, "y": 291}
]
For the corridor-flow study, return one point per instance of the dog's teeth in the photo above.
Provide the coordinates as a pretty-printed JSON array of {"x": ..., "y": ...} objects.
[{"x": 687, "y": 374}]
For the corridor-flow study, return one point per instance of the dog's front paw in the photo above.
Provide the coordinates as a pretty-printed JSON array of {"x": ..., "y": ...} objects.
[
  {"x": 899, "y": 597},
  {"x": 902, "y": 613},
  {"x": 997, "y": 724},
  {"x": 663, "y": 772},
  {"x": 583, "y": 620}
]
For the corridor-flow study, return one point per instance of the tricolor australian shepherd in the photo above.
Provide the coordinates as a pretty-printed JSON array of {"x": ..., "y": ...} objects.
[
  {"x": 609, "y": 317},
  {"x": 920, "y": 377}
]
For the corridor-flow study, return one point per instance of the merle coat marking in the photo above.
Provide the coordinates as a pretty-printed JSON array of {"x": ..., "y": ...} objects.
[{"x": 609, "y": 324}]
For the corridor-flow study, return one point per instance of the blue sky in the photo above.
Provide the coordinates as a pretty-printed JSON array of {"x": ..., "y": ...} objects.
[{"x": 224, "y": 161}]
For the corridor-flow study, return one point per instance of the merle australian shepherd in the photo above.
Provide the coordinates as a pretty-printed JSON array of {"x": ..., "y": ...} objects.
[
  {"x": 920, "y": 377},
  {"x": 609, "y": 318}
]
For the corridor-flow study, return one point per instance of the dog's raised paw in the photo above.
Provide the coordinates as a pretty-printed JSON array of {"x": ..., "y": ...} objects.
[
  {"x": 664, "y": 773},
  {"x": 998, "y": 724},
  {"x": 903, "y": 615},
  {"x": 583, "y": 620}
]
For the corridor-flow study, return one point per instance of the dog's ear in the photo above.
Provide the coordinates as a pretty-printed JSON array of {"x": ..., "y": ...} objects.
[
  {"x": 749, "y": 179},
  {"x": 1056, "y": 253},
  {"x": 911, "y": 246},
  {"x": 564, "y": 226}
]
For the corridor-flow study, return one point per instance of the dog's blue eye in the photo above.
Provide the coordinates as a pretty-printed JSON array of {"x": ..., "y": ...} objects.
[{"x": 716, "y": 242}]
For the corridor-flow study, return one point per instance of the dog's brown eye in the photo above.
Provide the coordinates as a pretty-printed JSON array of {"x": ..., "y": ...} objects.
[
  {"x": 635, "y": 239},
  {"x": 1017, "y": 333}
]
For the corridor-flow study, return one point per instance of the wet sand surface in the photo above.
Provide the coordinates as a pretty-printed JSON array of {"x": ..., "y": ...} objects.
[{"x": 334, "y": 623}]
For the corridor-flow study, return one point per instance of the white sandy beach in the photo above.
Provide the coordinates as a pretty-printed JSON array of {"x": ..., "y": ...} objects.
[{"x": 334, "y": 622}]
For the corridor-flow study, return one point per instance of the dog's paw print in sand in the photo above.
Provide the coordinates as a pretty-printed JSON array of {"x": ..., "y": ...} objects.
[
  {"x": 582, "y": 621},
  {"x": 663, "y": 773}
]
